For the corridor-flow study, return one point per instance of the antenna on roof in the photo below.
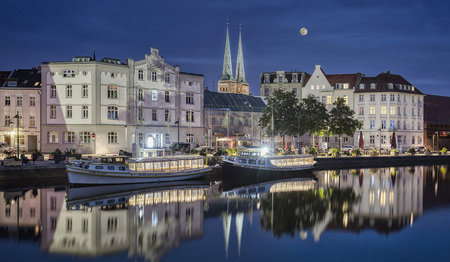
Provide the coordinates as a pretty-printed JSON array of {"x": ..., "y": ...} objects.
[{"x": 94, "y": 54}]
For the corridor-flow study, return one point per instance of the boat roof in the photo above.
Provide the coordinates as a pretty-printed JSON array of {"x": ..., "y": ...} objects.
[{"x": 164, "y": 158}]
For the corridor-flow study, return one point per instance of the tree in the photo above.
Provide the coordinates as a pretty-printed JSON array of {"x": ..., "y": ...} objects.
[
  {"x": 341, "y": 120},
  {"x": 280, "y": 115},
  {"x": 313, "y": 116}
]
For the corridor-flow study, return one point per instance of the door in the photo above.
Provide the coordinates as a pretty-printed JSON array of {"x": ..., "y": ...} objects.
[{"x": 32, "y": 143}]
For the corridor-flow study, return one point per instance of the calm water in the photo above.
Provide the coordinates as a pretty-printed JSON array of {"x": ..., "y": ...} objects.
[{"x": 400, "y": 213}]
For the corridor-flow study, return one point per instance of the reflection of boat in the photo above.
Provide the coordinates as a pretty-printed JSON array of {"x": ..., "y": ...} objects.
[
  {"x": 119, "y": 170},
  {"x": 258, "y": 161},
  {"x": 120, "y": 194}
]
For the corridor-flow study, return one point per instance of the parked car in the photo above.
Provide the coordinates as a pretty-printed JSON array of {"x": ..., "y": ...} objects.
[
  {"x": 347, "y": 149},
  {"x": 420, "y": 149},
  {"x": 6, "y": 149}
]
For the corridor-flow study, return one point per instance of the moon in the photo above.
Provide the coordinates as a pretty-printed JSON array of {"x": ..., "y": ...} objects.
[{"x": 303, "y": 31}]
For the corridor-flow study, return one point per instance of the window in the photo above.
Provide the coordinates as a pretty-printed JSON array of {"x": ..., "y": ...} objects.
[
  {"x": 7, "y": 120},
  {"x": 190, "y": 116},
  {"x": 189, "y": 138},
  {"x": 53, "y": 111},
  {"x": 413, "y": 125},
  {"x": 32, "y": 212},
  {"x": 53, "y": 203},
  {"x": 167, "y": 115},
  {"x": 167, "y": 139},
  {"x": 312, "y": 87},
  {"x": 69, "y": 137},
  {"x": 280, "y": 78},
  {"x": 413, "y": 140},
  {"x": 32, "y": 101},
  {"x": 7, "y": 100},
  {"x": 383, "y": 124},
  {"x": 372, "y": 124},
  {"x": 362, "y": 86},
  {"x": 294, "y": 78},
  {"x": 404, "y": 111},
  {"x": 418, "y": 125},
  {"x": 398, "y": 111},
  {"x": 372, "y": 139},
  {"x": 140, "y": 114},
  {"x": 53, "y": 91},
  {"x": 153, "y": 76},
  {"x": 167, "y": 77},
  {"x": 112, "y": 92},
  {"x": 329, "y": 100},
  {"x": 398, "y": 98},
  {"x": 266, "y": 79},
  {"x": 52, "y": 137},
  {"x": 413, "y": 112},
  {"x": 361, "y": 98},
  {"x": 20, "y": 121},
  {"x": 372, "y": 110},
  {"x": 68, "y": 91},
  {"x": 345, "y": 100},
  {"x": 373, "y": 86},
  {"x": 84, "y": 225},
  {"x": 141, "y": 94},
  {"x": 113, "y": 112},
  {"x": 383, "y": 110},
  {"x": 392, "y": 110},
  {"x": 345, "y": 86},
  {"x": 190, "y": 98},
  {"x": 112, "y": 137},
  {"x": 84, "y": 91},
  {"x": 112, "y": 224},
  {"x": 141, "y": 139},
  {"x": 361, "y": 110},
  {"x": 140, "y": 74},
  {"x": 154, "y": 115},
  {"x": 68, "y": 73},
  {"x": 84, "y": 112},
  {"x": 167, "y": 96},
  {"x": 32, "y": 121},
  {"x": 404, "y": 125},
  {"x": 85, "y": 137},
  {"x": 372, "y": 98},
  {"x": 392, "y": 124},
  {"x": 383, "y": 97},
  {"x": 392, "y": 98},
  {"x": 19, "y": 101},
  {"x": 68, "y": 111},
  {"x": 69, "y": 225},
  {"x": 154, "y": 95},
  {"x": 390, "y": 85}
]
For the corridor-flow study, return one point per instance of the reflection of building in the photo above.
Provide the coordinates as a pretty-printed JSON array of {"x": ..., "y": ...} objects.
[
  {"x": 436, "y": 122},
  {"x": 231, "y": 115},
  {"x": 20, "y": 94},
  {"x": 227, "y": 83}
]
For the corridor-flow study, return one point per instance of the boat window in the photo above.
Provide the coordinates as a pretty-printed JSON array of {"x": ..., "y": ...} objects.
[
  {"x": 261, "y": 162},
  {"x": 173, "y": 165},
  {"x": 194, "y": 163},
  {"x": 243, "y": 161},
  {"x": 149, "y": 166},
  {"x": 252, "y": 190},
  {"x": 140, "y": 167},
  {"x": 252, "y": 161},
  {"x": 98, "y": 167},
  {"x": 121, "y": 168},
  {"x": 111, "y": 201},
  {"x": 157, "y": 165},
  {"x": 261, "y": 189},
  {"x": 242, "y": 192},
  {"x": 111, "y": 168},
  {"x": 98, "y": 202},
  {"x": 122, "y": 199},
  {"x": 132, "y": 166}
]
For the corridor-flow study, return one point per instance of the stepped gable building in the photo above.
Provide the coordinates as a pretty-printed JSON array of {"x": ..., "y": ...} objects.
[
  {"x": 288, "y": 81},
  {"x": 227, "y": 83},
  {"x": 436, "y": 122},
  {"x": 20, "y": 99},
  {"x": 231, "y": 115}
]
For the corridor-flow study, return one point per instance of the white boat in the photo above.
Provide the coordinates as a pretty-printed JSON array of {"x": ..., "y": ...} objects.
[
  {"x": 120, "y": 170},
  {"x": 258, "y": 161}
]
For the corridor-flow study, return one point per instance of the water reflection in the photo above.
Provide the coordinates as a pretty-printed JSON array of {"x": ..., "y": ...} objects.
[{"x": 146, "y": 221}]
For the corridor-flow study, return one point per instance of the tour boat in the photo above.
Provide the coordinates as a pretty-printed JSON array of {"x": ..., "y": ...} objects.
[
  {"x": 120, "y": 170},
  {"x": 261, "y": 162}
]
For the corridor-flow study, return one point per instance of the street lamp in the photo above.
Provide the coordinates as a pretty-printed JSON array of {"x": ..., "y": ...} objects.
[
  {"x": 379, "y": 130},
  {"x": 17, "y": 117}
]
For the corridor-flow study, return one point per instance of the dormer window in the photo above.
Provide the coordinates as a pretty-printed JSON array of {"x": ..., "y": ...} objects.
[
  {"x": 373, "y": 86},
  {"x": 390, "y": 86},
  {"x": 280, "y": 79},
  {"x": 266, "y": 79},
  {"x": 68, "y": 73},
  {"x": 12, "y": 83},
  {"x": 294, "y": 78},
  {"x": 345, "y": 85},
  {"x": 362, "y": 86}
]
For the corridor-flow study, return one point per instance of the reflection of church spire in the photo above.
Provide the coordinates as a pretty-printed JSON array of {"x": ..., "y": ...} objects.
[
  {"x": 239, "y": 225},
  {"x": 226, "y": 230},
  {"x": 240, "y": 71},
  {"x": 227, "y": 71}
]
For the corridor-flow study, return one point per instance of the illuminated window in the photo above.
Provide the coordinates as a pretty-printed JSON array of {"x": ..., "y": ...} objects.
[
  {"x": 346, "y": 100},
  {"x": 372, "y": 110},
  {"x": 392, "y": 110},
  {"x": 383, "y": 110},
  {"x": 329, "y": 100}
]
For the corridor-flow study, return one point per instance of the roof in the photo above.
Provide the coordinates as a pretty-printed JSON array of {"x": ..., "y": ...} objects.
[
  {"x": 233, "y": 102},
  {"x": 3, "y": 76},
  {"x": 382, "y": 80},
  {"x": 24, "y": 78},
  {"x": 193, "y": 74},
  {"x": 436, "y": 109},
  {"x": 287, "y": 75},
  {"x": 351, "y": 79}
]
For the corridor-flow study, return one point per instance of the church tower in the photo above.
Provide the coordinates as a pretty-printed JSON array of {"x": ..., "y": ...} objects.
[{"x": 227, "y": 83}]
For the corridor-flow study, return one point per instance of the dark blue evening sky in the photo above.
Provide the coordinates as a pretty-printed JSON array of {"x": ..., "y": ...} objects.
[{"x": 407, "y": 37}]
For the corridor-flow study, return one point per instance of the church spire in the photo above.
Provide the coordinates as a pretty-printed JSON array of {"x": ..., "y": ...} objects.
[
  {"x": 240, "y": 71},
  {"x": 227, "y": 71}
]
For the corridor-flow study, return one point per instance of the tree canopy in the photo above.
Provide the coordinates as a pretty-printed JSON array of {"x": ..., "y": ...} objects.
[{"x": 341, "y": 120}]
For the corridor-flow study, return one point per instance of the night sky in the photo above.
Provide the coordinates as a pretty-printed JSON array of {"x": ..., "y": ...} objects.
[{"x": 410, "y": 37}]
